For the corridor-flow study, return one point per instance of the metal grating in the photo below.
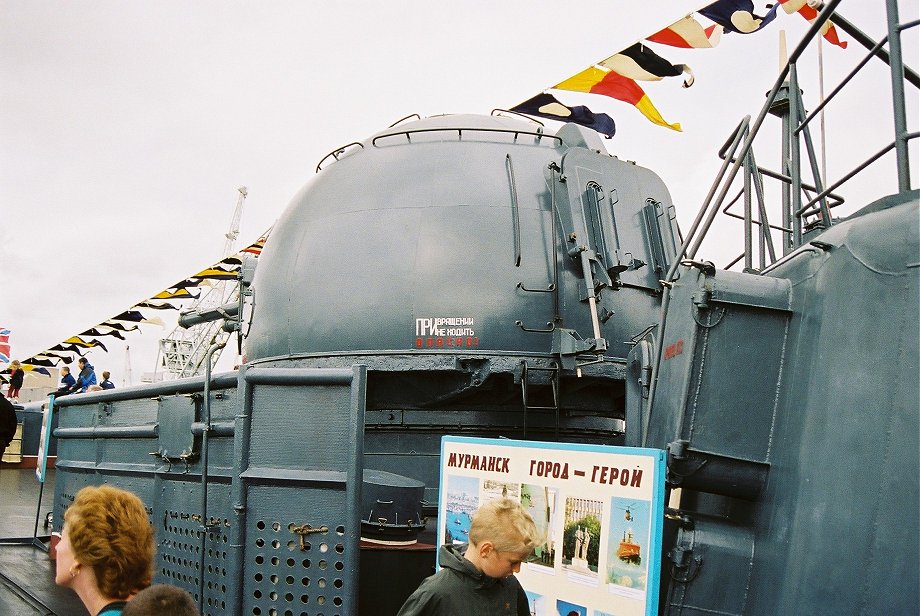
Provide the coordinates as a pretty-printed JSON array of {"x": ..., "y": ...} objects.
[
  {"x": 296, "y": 573},
  {"x": 179, "y": 550},
  {"x": 179, "y": 558}
]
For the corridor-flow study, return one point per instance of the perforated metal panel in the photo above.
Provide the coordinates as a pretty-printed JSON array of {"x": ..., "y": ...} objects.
[
  {"x": 180, "y": 542},
  {"x": 289, "y": 576},
  {"x": 301, "y": 486}
]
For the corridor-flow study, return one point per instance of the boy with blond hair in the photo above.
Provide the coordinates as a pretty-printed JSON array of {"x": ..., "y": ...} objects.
[{"x": 478, "y": 578}]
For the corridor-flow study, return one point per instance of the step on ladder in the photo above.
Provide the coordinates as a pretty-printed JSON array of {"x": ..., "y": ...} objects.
[{"x": 526, "y": 392}]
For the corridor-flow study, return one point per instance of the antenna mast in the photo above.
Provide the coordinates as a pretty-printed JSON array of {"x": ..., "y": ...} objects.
[
  {"x": 183, "y": 351},
  {"x": 126, "y": 373}
]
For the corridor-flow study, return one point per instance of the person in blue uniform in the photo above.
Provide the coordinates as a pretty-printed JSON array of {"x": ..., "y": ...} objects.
[
  {"x": 478, "y": 578},
  {"x": 106, "y": 383},
  {"x": 86, "y": 377},
  {"x": 67, "y": 382}
]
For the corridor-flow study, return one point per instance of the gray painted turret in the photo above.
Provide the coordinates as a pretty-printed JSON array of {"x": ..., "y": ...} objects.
[{"x": 465, "y": 217}]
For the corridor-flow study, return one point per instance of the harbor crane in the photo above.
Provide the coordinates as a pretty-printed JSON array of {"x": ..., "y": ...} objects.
[{"x": 182, "y": 353}]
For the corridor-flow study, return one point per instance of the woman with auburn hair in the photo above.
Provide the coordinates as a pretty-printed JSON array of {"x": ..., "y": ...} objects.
[{"x": 106, "y": 550}]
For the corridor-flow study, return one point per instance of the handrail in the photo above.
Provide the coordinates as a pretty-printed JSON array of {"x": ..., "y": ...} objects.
[
  {"x": 776, "y": 175},
  {"x": 804, "y": 211},
  {"x": 738, "y": 133},
  {"x": 754, "y": 222},
  {"x": 860, "y": 37},
  {"x": 741, "y": 139},
  {"x": 403, "y": 119},
  {"x": 815, "y": 28},
  {"x": 497, "y": 113},
  {"x": 515, "y": 214},
  {"x": 840, "y": 86},
  {"x": 337, "y": 153},
  {"x": 460, "y": 130}
]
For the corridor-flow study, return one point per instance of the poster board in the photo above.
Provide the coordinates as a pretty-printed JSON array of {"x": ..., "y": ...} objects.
[
  {"x": 600, "y": 508},
  {"x": 44, "y": 441}
]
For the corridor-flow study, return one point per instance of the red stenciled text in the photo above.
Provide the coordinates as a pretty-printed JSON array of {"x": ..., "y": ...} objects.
[
  {"x": 612, "y": 475},
  {"x": 549, "y": 468},
  {"x": 497, "y": 464},
  {"x": 673, "y": 350},
  {"x": 449, "y": 341}
]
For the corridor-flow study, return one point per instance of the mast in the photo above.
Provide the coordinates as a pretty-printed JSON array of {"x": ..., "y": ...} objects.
[
  {"x": 183, "y": 351},
  {"x": 126, "y": 373}
]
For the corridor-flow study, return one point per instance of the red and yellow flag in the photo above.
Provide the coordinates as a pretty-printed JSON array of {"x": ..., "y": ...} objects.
[{"x": 614, "y": 85}]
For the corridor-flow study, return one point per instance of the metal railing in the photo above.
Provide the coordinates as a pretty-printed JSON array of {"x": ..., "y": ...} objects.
[{"x": 806, "y": 207}]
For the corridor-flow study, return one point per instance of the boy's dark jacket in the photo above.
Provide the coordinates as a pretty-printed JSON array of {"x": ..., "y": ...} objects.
[
  {"x": 7, "y": 422},
  {"x": 67, "y": 381},
  {"x": 460, "y": 589}
]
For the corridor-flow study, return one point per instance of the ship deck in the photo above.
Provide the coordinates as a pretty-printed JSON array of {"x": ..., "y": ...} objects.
[{"x": 26, "y": 573}]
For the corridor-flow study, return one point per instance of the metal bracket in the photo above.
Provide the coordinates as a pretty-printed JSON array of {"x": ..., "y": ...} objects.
[
  {"x": 568, "y": 346},
  {"x": 683, "y": 561},
  {"x": 680, "y": 464},
  {"x": 548, "y": 289}
]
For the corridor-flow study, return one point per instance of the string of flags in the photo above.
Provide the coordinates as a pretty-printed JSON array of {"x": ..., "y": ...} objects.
[
  {"x": 809, "y": 10},
  {"x": 131, "y": 319},
  {"x": 617, "y": 76}
]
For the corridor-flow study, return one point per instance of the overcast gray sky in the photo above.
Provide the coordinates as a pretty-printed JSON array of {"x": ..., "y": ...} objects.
[{"x": 128, "y": 126}]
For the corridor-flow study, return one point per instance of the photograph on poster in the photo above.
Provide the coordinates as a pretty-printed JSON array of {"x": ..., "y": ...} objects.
[
  {"x": 540, "y": 605},
  {"x": 627, "y": 547},
  {"x": 581, "y": 534},
  {"x": 462, "y": 501},
  {"x": 540, "y": 503},
  {"x": 564, "y": 608},
  {"x": 494, "y": 490}
]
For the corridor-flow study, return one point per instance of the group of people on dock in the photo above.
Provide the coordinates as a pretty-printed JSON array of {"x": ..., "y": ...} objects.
[
  {"x": 86, "y": 381},
  {"x": 83, "y": 382}
]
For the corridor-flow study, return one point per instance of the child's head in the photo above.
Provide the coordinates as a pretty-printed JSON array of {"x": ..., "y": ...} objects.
[
  {"x": 161, "y": 599},
  {"x": 502, "y": 536},
  {"x": 15, "y": 365},
  {"x": 106, "y": 374},
  {"x": 65, "y": 370}
]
